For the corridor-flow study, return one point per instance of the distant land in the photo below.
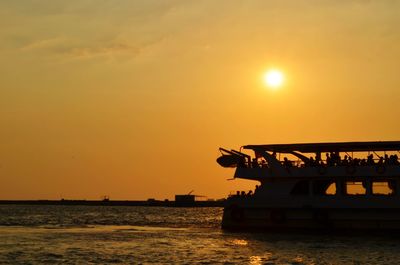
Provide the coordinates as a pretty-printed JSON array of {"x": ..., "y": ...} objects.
[{"x": 185, "y": 201}]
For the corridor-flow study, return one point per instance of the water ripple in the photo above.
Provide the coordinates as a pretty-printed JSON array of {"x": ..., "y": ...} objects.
[{"x": 140, "y": 235}]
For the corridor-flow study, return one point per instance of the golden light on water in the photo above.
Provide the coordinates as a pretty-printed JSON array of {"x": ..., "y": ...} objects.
[
  {"x": 274, "y": 79},
  {"x": 255, "y": 260},
  {"x": 240, "y": 242}
]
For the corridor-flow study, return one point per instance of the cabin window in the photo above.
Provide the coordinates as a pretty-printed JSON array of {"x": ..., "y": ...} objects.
[
  {"x": 331, "y": 190},
  {"x": 324, "y": 187},
  {"x": 301, "y": 188},
  {"x": 355, "y": 188},
  {"x": 383, "y": 187}
]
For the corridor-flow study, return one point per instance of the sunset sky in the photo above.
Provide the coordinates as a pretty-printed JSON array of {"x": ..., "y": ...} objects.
[{"x": 132, "y": 99}]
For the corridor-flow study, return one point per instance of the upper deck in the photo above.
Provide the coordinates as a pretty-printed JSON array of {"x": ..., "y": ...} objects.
[
  {"x": 341, "y": 159},
  {"x": 328, "y": 147}
]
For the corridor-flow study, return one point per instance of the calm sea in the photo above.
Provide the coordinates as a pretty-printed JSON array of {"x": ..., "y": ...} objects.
[{"x": 156, "y": 235}]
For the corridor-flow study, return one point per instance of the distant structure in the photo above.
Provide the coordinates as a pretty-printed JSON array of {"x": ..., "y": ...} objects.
[{"x": 186, "y": 199}]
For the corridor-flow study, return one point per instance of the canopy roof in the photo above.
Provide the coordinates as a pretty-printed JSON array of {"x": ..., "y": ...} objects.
[{"x": 328, "y": 147}]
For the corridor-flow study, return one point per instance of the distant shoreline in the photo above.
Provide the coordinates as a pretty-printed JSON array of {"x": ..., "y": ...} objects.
[{"x": 116, "y": 203}]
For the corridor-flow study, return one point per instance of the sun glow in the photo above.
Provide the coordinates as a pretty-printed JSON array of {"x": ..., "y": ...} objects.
[{"x": 273, "y": 79}]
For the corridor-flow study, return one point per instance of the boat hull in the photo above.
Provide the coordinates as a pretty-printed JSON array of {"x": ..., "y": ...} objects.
[{"x": 319, "y": 219}]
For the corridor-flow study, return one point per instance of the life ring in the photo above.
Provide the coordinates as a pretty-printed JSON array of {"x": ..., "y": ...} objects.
[
  {"x": 237, "y": 214},
  {"x": 277, "y": 216},
  {"x": 321, "y": 217},
  {"x": 322, "y": 170},
  {"x": 380, "y": 169},
  {"x": 351, "y": 169}
]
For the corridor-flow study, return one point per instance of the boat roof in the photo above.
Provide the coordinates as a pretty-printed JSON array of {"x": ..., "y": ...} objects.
[{"x": 328, "y": 147}]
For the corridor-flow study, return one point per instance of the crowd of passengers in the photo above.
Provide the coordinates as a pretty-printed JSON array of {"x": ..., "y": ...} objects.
[
  {"x": 245, "y": 194},
  {"x": 334, "y": 159}
]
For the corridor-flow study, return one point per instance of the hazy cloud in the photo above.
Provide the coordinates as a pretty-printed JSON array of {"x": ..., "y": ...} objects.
[
  {"x": 43, "y": 44},
  {"x": 108, "y": 50}
]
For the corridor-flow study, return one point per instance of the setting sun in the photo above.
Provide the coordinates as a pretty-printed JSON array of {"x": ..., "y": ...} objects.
[{"x": 273, "y": 78}]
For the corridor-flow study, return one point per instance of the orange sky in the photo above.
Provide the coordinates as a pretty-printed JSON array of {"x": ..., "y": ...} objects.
[{"x": 133, "y": 98}]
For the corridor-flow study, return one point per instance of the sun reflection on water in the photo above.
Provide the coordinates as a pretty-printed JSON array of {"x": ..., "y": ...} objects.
[
  {"x": 255, "y": 260},
  {"x": 298, "y": 260},
  {"x": 240, "y": 242}
]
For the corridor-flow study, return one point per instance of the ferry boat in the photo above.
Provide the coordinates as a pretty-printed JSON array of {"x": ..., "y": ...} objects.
[{"x": 315, "y": 186}]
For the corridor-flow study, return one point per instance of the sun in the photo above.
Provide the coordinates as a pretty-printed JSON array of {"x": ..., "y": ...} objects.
[{"x": 274, "y": 79}]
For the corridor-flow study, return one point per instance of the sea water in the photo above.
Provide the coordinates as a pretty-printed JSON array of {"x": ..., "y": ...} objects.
[{"x": 158, "y": 235}]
